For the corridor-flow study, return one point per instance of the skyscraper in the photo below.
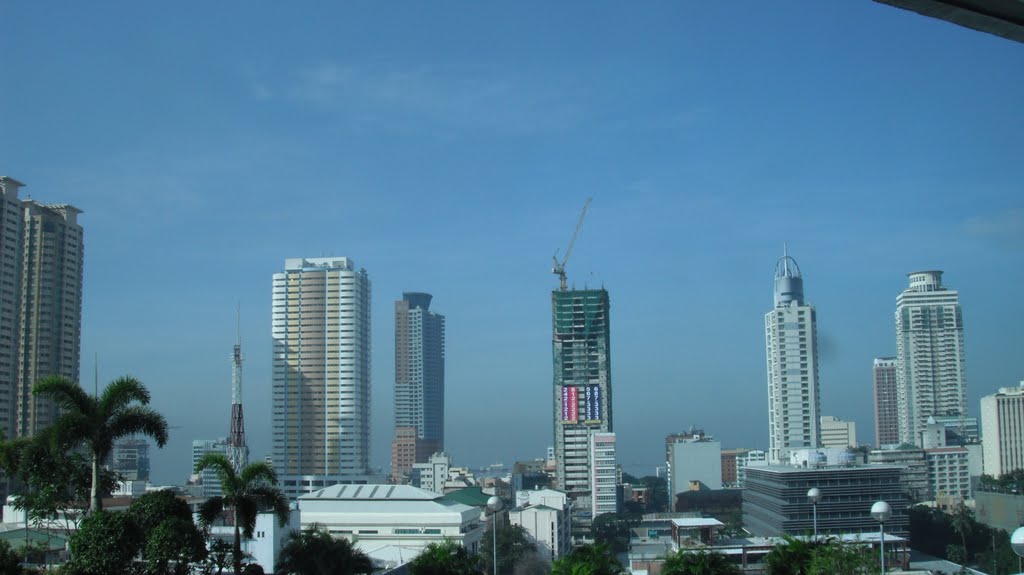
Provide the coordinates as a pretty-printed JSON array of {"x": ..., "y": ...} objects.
[
  {"x": 321, "y": 377},
  {"x": 930, "y": 378},
  {"x": 581, "y": 350},
  {"x": 51, "y": 307},
  {"x": 791, "y": 338},
  {"x": 11, "y": 221},
  {"x": 887, "y": 427},
  {"x": 419, "y": 383}
]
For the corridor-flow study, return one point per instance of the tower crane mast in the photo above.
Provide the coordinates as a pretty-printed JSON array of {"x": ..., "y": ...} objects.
[{"x": 558, "y": 267}]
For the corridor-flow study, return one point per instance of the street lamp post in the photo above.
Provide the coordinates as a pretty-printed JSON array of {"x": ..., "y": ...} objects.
[
  {"x": 881, "y": 512},
  {"x": 814, "y": 496},
  {"x": 1017, "y": 543},
  {"x": 494, "y": 504}
]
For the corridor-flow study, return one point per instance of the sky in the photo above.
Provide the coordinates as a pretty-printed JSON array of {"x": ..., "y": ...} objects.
[{"x": 448, "y": 147}]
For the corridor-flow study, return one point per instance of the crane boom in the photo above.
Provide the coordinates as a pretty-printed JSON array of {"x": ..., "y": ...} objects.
[{"x": 559, "y": 267}]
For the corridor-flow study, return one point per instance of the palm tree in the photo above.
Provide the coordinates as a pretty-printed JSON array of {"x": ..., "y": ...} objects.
[
  {"x": 701, "y": 562},
  {"x": 313, "y": 551},
  {"x": 245, "y": 493},
  {"x": 792, "y": 556},
  {"x": 594, "y": 559},
  {"x": 96, "y": 422},
  {"x": 962, "y": 521},
  {"x": 445, "y": 558}
]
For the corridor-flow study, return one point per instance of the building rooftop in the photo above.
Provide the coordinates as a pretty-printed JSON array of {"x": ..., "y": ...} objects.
[
  {"x": 695, "y": 522},
  {"x": 373, "y": 493}
]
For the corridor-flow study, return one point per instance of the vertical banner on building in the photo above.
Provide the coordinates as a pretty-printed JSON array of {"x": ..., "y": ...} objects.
[
  {"x": 570, "y": 408},
  {"x": 592, "y": 404}
]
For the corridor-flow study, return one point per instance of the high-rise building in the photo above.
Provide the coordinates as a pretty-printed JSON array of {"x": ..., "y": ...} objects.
[
  {"x": 419, "y": 383},
  {"x": 209, "y": 482},
  {"x": 51, "y": 307},
  {"x": 604, "y": 474},
  {"x": 11, "y": 221},
  {"x": 838, "y": 433},
  {"x": 321, "y": 374},
  {"x": 581, "y": 351},
  {"x": 930, "y": 377},
  {"x": 130, "y": 459},
  {"x": 791, "y": 339},
  {"x": 1002, "y": 426},
  {"x": 887, "y": 427}
]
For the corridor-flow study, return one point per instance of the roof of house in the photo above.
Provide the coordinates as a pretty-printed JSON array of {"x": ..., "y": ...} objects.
[
  {"x": 373, "y": 493},
  {"x": 472, "y": 496}
]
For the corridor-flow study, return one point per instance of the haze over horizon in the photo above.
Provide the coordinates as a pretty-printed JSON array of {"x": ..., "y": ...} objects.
[{"x": 448, "y": 148}]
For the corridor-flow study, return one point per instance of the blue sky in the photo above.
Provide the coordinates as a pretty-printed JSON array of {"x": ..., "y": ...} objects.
[{"x": 448, "y": 147}]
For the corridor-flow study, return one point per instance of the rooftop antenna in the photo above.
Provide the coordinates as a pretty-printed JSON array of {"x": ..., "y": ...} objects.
[
  {"x": 558, "y": 268},
  {"x": 238, "y": 451}
]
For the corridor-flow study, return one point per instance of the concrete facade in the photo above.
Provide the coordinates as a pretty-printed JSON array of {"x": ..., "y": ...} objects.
[
  {"x": 603, "y": 474},
  {"x": 546, "y": 517},
  {"x": 692, "y": 460},
  {"x": 775, "y": 500},
  {"x": 837, "y": 433},
  {"x": 1002, "y": 424}
]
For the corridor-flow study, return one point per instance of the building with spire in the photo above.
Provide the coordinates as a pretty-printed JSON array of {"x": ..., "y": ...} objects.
[
  {"x": 791, "y": 339},
  {"x": 321, "y": 374},
  {"x": 931, "y": 376},
  {"x": 419, "y": 383}
]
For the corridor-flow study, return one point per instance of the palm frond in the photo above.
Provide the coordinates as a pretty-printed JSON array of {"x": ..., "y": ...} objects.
[
  {"x": 257, "y": 473},
  {"x": 210, "y": 510},
  {"x": 70, "y": 429},
  {"x": 139, "y": 420},
  {"x": 68, "y": 395},
  {"x": 246, "y": 510},
  {"x": 121, "y": 393},
  {"x": 218, "y": 462},
  {"x": 269, "y": 497}
]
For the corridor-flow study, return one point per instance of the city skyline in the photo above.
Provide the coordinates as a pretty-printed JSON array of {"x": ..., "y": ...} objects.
[{"x": 453, "y": 159}]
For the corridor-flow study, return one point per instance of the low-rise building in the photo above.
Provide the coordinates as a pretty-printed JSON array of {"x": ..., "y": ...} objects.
[
  {"x": 752, "y": 458},
  {"x": 545, "y": 514},
  {"x": 391, "y": 523},
  {"x": 837, "y": 433},
  {"x": 775, "y": 500},
  {"x": 952, "y": 472},
  {"x": 914, "y": 476},
  {"x": 1003, "y": 427}
]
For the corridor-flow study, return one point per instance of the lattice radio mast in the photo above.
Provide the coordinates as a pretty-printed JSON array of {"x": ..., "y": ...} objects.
[{"x": 238, "y": 451}]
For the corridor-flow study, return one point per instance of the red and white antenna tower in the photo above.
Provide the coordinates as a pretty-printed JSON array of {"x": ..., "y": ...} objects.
[{"x": 238, "y": 451}]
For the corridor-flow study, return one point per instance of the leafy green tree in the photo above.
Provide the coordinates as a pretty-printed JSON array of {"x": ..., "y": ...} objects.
[
  {"x": 51, "y": 482},
  {"x": 10, "y": 560},
  {"x": 1013, "y": 481},
  {"x": 837, "y": 558},
  {"x": 700, "y": 562},
  {"x": 445, "y": 558},
  {"x": 513, "y": 545},
  {"x": 173, "y": 545},
  {"x": 106, "y": 542},
  {"x": 96, "y": 422},
  {"x": 314, "y": 551},
  {"x": 219, "y": 556},
  {"x": 614, "y": 529},
  {"x": 592, "y": 559},
  {"x": 792, "y": 556},
  {"x": 956, "y": 554},
  {"x": 245, "y": 494}
]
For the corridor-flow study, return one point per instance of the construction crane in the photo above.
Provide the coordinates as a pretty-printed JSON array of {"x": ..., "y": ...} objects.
[{"x": 559, "y": 266}]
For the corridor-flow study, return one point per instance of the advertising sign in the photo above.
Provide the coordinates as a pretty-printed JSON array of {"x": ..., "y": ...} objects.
[
  {"x": 592, "y": 412},
  {"x": 570, "y": 408}
]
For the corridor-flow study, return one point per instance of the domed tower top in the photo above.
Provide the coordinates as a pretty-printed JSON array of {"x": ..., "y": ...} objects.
[{"x": 789, "y": 284}]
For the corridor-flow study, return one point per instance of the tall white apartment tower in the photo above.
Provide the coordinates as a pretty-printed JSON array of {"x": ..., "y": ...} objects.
[
  {"x": 930, "y": 378},
  {"x": 10, "y": 300},
  {"x": 791, "y": 340},
  {"x": 321, "y": 377},
  {"x": 1002, "y": 426}
]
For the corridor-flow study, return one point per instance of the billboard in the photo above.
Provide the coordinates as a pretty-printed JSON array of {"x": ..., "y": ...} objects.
[
  {"x": 592, "y": 405},
  {"x": 570, "y": 406}
]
